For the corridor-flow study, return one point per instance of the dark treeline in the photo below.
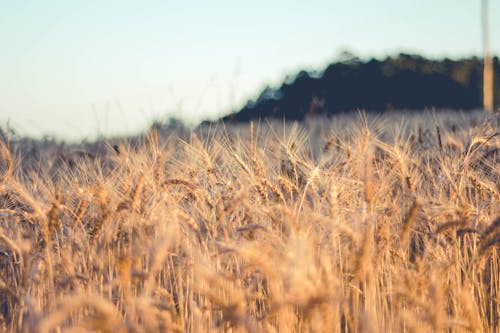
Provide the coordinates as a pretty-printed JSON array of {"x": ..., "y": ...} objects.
[{"x": 409, "y": 82}]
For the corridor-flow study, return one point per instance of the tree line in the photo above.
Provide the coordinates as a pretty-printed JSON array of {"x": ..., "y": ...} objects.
[{"x": 402, "y": 82}]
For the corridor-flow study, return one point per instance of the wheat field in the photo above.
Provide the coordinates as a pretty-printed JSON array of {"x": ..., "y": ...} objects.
[{"x": 356, "y": 223}]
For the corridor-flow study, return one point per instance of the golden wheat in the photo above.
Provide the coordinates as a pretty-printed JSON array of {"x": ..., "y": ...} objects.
[{"x": 352, "y": 224}]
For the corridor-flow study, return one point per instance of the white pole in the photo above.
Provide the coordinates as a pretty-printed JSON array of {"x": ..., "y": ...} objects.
[{"x": 488, "y": 62}]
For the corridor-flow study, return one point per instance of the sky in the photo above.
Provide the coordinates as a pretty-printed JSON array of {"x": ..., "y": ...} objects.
[{"x": 81, "y": 69}]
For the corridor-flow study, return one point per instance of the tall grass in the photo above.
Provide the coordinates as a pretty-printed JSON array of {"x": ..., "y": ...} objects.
[{"x": 350, "y": 224}]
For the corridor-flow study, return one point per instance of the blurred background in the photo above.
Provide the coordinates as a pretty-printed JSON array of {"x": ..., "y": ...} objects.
[{"x": 83, "y": 69}]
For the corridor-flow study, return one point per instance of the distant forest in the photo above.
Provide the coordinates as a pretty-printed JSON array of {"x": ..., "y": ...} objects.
[{"x": 402, "y": 82}]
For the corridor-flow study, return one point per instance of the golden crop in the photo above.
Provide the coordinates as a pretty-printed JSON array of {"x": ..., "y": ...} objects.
[{"x": 349, "y": 224}]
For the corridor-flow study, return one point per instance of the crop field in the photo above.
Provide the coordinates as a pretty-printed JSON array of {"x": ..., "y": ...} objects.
[{"x": 355, "y": 223}]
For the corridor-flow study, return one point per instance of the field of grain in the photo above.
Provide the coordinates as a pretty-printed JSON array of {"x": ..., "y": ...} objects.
[{"x": 357, "y": 223}]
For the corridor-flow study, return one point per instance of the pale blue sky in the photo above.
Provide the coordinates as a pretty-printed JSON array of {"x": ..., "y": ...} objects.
[{"x": 78, "y": 68}]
